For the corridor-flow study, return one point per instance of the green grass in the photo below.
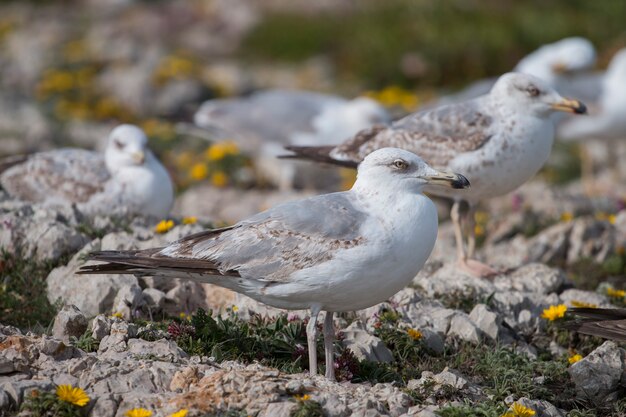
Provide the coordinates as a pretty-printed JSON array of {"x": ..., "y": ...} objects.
[
  {"x": 23, "y": 300},
  {"x": 458, "y": 41}
]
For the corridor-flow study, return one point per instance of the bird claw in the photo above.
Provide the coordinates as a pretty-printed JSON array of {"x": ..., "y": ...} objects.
[{"x": 477, "y": 269}]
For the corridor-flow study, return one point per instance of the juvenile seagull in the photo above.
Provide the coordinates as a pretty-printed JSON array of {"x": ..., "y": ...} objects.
[
  {"x": 334, "y": 252},
  {"x": 127, "y": 179},
  {"x": 608, "y": 323},
  {"x": 499, "y": 141},
  {"x": 263, "y": 123}
]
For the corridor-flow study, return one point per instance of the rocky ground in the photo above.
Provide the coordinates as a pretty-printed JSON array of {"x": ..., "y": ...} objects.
[{"x": 447, "y": 345}]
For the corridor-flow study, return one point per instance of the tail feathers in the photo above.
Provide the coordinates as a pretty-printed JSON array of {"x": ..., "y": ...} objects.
[
  {"x": 11, "y": 161},
  {"x": 605, "y": 323},
  {"x": 149, "y": 262},
  {"x": 318, "y": 154}
]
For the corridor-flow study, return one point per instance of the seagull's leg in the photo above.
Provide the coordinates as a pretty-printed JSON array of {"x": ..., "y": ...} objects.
[
  {"x": 311, "y": 338},
  {"x": 455, "y": 216},
  {"x": 464, "y": 261},
  {"x": 471, "y": 231},
  {"x": 329, "y": 338}
]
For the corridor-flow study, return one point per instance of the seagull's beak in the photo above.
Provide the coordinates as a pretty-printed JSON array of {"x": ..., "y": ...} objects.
[
  {"x": 447, "y": 179},
  {"x": 570, "y": 106},
  {"x": 139, "y": 157},
  {"x": 559, "y": 68}
]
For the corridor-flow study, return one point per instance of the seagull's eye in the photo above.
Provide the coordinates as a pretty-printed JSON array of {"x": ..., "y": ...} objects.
[
  {"x": 533, "y": 91},
  {"x": 118, "y": 144},
  {"x": 400, "y": 164}
]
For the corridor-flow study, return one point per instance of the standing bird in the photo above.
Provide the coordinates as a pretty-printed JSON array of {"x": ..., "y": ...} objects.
[
  {"x": 334, "y": 252},
  {"x": 127, "y": 179},
  {"x": 263, "y": 123},
  {"x": 499, "y": 141}
]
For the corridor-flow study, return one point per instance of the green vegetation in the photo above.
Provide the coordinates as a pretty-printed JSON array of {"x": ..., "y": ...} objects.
[
  {"x": 23, "y": 300},
  {"x": 307, "y": 408},
  {"x": 457, "y": 41},
  {"x": 85, "y": 342}
]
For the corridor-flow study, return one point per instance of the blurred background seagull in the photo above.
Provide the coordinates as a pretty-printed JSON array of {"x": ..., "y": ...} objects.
[
  {"x": 499, "y": 141},
  {"x": 263, "y": 123},
  {"x": 606, "y": 120},
  {"x": 564, "y": 65},
  {"x": 127, "y": 179},
  {"x": 335, "y": 252}
]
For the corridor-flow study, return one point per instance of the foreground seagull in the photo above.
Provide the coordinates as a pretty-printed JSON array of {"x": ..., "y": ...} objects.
[
  {"x": 127, "y": 179},
  {"x": 335, "y": 252},
  {"x": 263, "y": 123},
  {"x": 499, "y": 141}
]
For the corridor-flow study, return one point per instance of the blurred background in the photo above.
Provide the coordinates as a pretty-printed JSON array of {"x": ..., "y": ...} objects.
[{"x": 72, "y": 70}]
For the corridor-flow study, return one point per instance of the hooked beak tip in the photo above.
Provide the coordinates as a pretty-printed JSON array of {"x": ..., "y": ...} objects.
[
  {"x": 460, "y": 182},
  {"x": 570, "y": 106}
]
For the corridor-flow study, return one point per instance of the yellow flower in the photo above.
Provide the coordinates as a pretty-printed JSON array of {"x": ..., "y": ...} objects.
[
  {"x": 164, "y": 226},
  {"x": 414, "y": 334},
  {"x": 190, "y": 220},
  {"x": 554, "y": 312},
  {"x": 199, "y": 171},
  {"x": 566, "y": 216},
  {"x": 180, "y": 413},
  {"x": 235, "y": 309},
  {"x": 479, "y": 230},
  {"x": 612, "y": 292},
  {"x": 481, "y": 217},
  {"x": 574, "y": 358},
  {"x": 305, "y": 397},
  {"x": 118, "y": 315},
  {"x": 576, "y": 303},
  {"x": 72, "y": 395},
  {"x": 216, "y": 152},
  {"x": 518, "y": 410},
  {"x": 611, "y": 218},
  {"x": 138, "y": 412},
  {"x": 219, "y": 179}
]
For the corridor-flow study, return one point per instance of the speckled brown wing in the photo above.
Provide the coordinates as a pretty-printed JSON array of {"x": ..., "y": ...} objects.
[
  {"x": 436, "y": 135},
  {"x": 605, "y": 323},
  {"x": 64, "y": 175}
]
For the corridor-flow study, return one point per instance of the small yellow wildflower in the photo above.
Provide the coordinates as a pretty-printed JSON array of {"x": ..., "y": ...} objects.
[
  {"x": 184, "y": 316},
  {"x": 519, "y": 410},
  {"x": 612, "y": 292},
  {"x": 199, "y": 171},
  {"x": 138, "y": 412},
  {"x": 180, "y": 413},
  {"x": 479, "y": 230},
  {"x": 164, "y": 226},
  {"x": 117, "y": 315},
  {"x": 414, "y": 334},
  {"x": 554, "y": 312},
  {"x": 305, "y": 397},
  {"x": 567, "y": 216},
  {"x": 220, "y": 150},
  {"x": 235, "y": 309},
  {"x": 576, "y": 303},
  {"x": 611, "y": 218},
  {"x": 574, "y": 358},
  {"x": 72, "y": 395},
  {"x": 184, "y": 159},
  {"x": 219, "y": 179},
  {"x": 190, "y": 220}
]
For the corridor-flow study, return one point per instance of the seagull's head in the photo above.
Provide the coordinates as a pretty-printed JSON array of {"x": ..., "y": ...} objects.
[
  {"x": 566, "y": 56},
  {"x": 526, "y": 94},
  {"x": 127, "y": 146},
  {"x": 395, "y": 169}
]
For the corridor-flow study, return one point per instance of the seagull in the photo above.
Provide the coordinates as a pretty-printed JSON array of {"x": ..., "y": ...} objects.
[
  {"x": 608, "y": 323},
  {"x": 263, "y": 123},
  {"x": 127, "y": 179},
  {"x": 499, "y": 141},
  {"x": 334, "y": 252},
  {"x": 564, "y": 65}
]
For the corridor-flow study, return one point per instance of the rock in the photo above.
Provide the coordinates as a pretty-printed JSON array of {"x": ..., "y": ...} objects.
[
  {"x": 432, "y": 341},
  {"x": 542, "y": 408},
  {"x": 532, "y": 277},
  {"x": 588, "y": 297},
  {"x": 488, "y": 322},
  {"x": 5, "y": 400},
  {"x": 17, "y": 390},
  {"x": 282, "y": 409},
  {"x": 550, "y": 246},
  {"x": 449, "y": 280},
  {"x": 69, "y": 322},
  {"x": 598, "y": 375},
  {"x": 591, "y": 239},
  {"x": 462, "y": 327},
  {"x": 128, "y": 300},
  {"x": 163, "y": 350},
  {"x": 448, "y": 378},
  {"x": 100, "y": 327},
  {"x": 364, "y": 345}
]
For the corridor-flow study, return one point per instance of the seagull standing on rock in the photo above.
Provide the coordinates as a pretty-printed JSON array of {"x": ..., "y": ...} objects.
[
  {"x": 127, "y": 179},
  {"x": 334, "y": 252},
  {"x": 499, "y": 140}
]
